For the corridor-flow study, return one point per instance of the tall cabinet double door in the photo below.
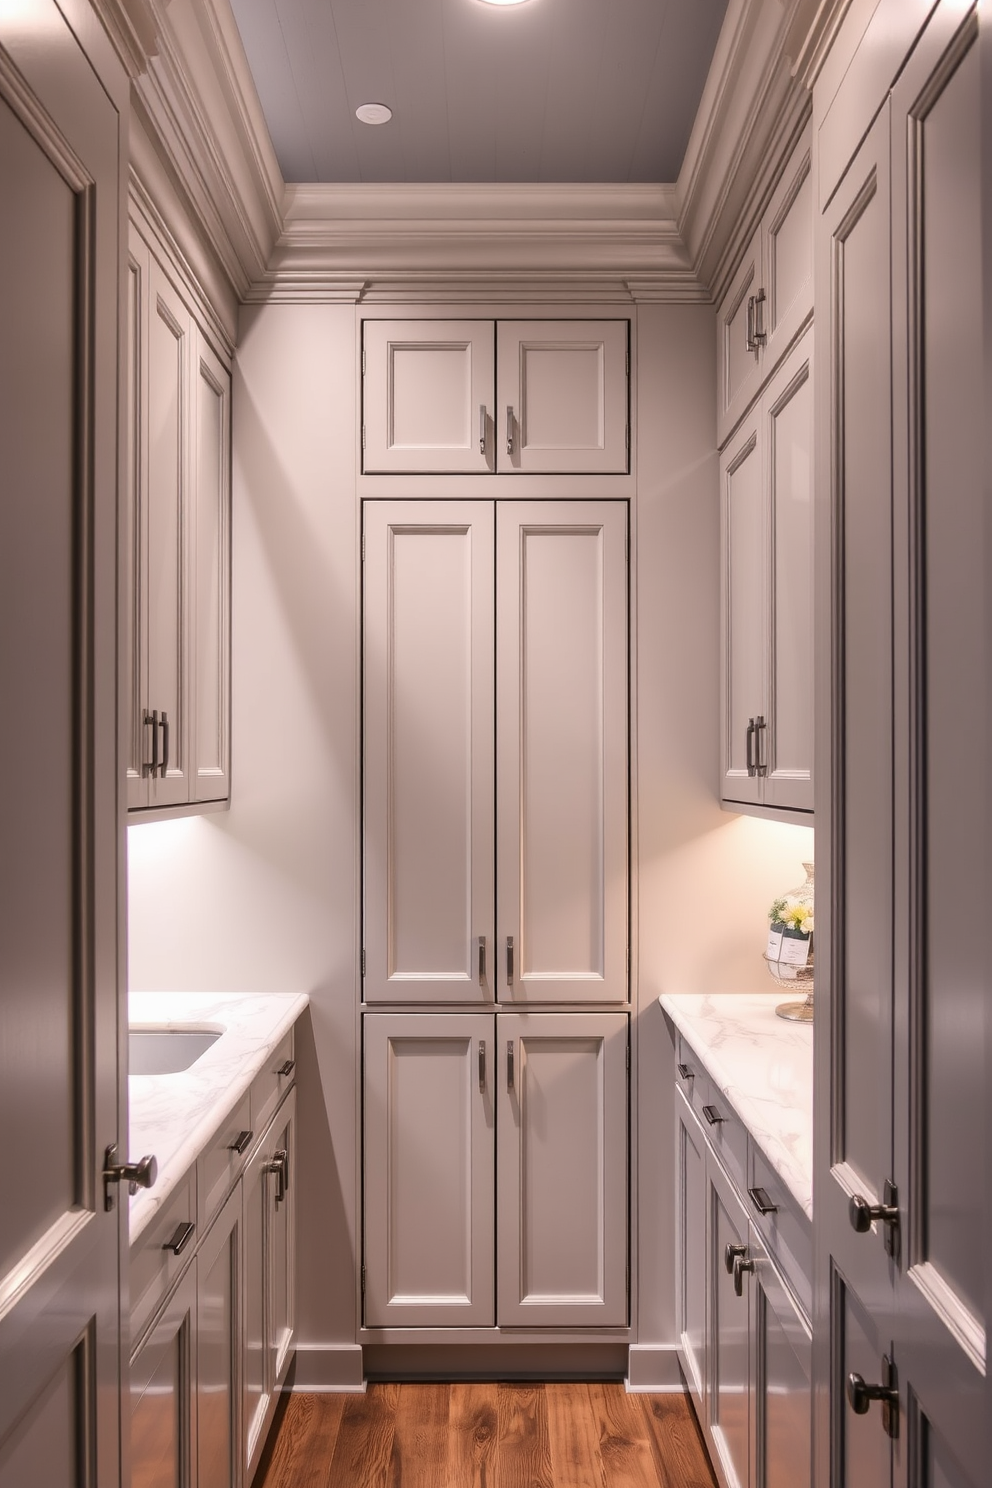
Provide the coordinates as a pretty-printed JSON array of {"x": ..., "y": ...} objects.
[
  {"x": 495, "y": 914},
  {"x": 495, "y": 752}
]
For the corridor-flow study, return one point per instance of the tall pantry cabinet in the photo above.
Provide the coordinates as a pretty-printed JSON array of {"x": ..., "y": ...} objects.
[
  {"x": 495, "y": 880},
  {"x": 901, "y": 1098}
]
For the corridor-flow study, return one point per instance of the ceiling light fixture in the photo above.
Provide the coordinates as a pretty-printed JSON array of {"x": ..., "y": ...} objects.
[
  {"x": 503, "y": 2},
  {"x": 374, "y": 113}
]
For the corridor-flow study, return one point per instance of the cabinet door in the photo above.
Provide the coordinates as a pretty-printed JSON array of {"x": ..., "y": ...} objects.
[
  {"x": 136, "y": 487},
  {"x": 787, "y": 412},
  {"x": 429, "y": 1170},
  {"x": 728, "y": 1318},
  {"x": 787, "y": 254},
  {"x": 427, "y": 396},
  {"x": 210, "y": 541},
  {"x": 280, "y": 1242},
  {"x": 744, "y": 617},
  {"x": 690, "y": 1246},
  {"x": 254, "y": 1392},
  {"x": 169, "y": 332},
  {"x": 738, "y": 369},
  {"x": 428, "y": 779},
  {"x": 561, "y": 772},
  {"x": 562, "y": 1180},
  {"x": 163, "y": 1395},
  {"x": 780, "y": 1371},
  {"x": 218, "y": 1350},
  {"x": 562, "y": 399}
]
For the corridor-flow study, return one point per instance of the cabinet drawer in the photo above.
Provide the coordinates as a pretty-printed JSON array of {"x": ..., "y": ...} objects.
[
  {"x": 153, "y": 1268},
  {"x": 271, "y": 1083},
  {"x": 219, "y": 1164},
  {"x": 724, "y": 1129},
  {"x": 786, "y": 1231}
]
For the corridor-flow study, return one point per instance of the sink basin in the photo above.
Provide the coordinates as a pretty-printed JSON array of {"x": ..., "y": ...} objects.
[{"x": 167, "y": 1051}]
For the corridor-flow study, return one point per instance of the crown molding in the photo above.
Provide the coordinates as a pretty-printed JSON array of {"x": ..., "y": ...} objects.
[
  {"x": 197, "y": 103},
  {"x": 751, "y": 109},
  {"x": 133, "y": 30},
  {"x": 305, "y": 243}
]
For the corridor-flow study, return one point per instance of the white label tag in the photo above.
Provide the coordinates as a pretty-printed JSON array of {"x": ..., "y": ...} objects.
[
  {"x": 774, "y": 946},
  {"x": 795, "y": 950}
]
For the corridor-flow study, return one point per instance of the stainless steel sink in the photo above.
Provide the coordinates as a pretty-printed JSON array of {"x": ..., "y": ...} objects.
[{"x": 167, "y": 1051}]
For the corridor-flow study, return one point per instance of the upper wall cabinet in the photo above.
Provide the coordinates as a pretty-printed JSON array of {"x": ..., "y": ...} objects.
[
  {"x": 178, "y": 555},
  {"x": 767, "y": 595},
  {"x": 472, "y": 397},
  {"x": 771, "y": 295}
]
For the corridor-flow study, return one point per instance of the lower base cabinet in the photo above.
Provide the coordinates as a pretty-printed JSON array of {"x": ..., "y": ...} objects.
[
  {"x": 495, "y": 1164},
  {"x": 744, "y": 1339},
  {"x": 206, "y": 1375}
]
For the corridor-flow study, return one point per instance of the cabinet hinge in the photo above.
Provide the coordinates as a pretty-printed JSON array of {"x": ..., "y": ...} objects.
[
  {"x": 363, "y": 361},
  {"x": 363, "y": 1278},
  {"x": 363, "y": 960},
  {"x": 363, "y": 547},
  {"x": 363, "y": 436},
  {"x": 628, "y": 1056}
]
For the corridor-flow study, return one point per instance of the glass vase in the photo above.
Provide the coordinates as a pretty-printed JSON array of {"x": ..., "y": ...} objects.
[{"x": 789, "y": 952}]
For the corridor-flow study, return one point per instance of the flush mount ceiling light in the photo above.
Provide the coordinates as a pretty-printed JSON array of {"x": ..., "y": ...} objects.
[
  {"x": 504, "y": 2},
  {"x": 374, "y": 113}
]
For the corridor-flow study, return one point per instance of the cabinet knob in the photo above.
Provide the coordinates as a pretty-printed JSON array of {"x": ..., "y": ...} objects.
[
  {"x": 182, "y": 1237},
  {"x": 713, "y": 1116},
  {"x": 860, "y": 1396},
  {"x": 141, "y": 1174},
  {"x": 730, "y": 1255},
  {"x": 685, "y": 1073},
  {"x": 241, "y": 1143},
  {"x": 287, "y": 1068},
  {"x": 863, "y": 1214},
  {"x": 742, "y": 1264},
  {"x": 280, "y": 1167},
  {"x": 760, "y": 1199}
]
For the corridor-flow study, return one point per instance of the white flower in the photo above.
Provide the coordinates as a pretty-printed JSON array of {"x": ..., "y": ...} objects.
[{"x": 807, "y": 925}]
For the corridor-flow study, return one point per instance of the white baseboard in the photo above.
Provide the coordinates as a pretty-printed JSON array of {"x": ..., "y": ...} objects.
[
  {"x": 653, "y": 1369},
  {"x": 328, "y": 1369}
]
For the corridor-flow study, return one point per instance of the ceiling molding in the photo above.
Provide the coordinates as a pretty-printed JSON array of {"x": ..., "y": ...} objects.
[
  {"x": 751, "y": 107},
  {"x": 300, "y": 243},
  {"x": 133, "y": 30},
  {"x": 198, "y": 104}
]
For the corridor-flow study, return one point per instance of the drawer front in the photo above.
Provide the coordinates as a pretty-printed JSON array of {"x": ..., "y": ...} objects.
[
  {"x": 786, "y": 1231},
  {"x": 271, "y": 1083},
  {"x": 153, "y": 1268},
  {"x": 220, "y": 1163}
]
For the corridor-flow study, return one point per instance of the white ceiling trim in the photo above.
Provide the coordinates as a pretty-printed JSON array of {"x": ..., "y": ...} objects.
[{"x": 672, "y": 242}]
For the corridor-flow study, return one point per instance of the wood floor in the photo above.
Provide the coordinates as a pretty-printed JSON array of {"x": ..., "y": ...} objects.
[{"x": 485, "y": 1436}]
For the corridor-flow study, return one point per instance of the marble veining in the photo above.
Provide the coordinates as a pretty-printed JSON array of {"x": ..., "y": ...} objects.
[
  {"x": 175, "y": 1116},
  {"x": 764, "y": 1067}
]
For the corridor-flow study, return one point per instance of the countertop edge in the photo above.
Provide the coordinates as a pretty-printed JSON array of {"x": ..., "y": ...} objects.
[
  {"x": 145, "y": 1204},
  {"x": 779, "y": 1157}
]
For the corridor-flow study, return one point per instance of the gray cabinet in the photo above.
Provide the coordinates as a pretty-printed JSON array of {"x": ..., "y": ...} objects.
[
  {"x": 477, "y": 397},
  {"x": 766, "y": 510},
  {"x": 213, "y": 1307},
  {"x": 742, "y": 1294},
  {"x": 178, "y": 560},
  {"x": 495, "y": 1140}
]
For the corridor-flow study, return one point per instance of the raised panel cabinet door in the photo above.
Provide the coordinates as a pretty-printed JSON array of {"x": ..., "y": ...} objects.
[
  {"x": 210, "y": 567},
  {"x": 61, "y": 970},
  {"x": 787, "y": 410},
  {"x": 562, "y": 396},
  {"x": 254, "y": 1381},
  {"x": 941, "y": 861},
  {"x": 562, "y": 751},
  {"x": 787, "y": 252},
  {"x": 218, "y": 1349},
  {"x": 427, "y": 396},
  {"x": 690, "y": 1247},
  {"x": 738, "y": 365},
  {"x": 280, "y": 1242},
  {"x": 428, "y": 745},
  {"x": 853, "y": 1112},
  {"x": 167, "y": 601},
  {"x": 561, "y": 1223},
  {"x": 163, "y": 1419},
  {"x": 780, "y": 1374},
  {"x": 744, "y": 612},
  {"x": 429, "y": 1170},
  {"x": 136, "y": 542},
  {"x": 728, "y": 1313}
]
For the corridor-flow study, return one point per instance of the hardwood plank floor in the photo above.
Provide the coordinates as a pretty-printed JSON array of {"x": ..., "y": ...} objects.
[{"x": 500, "y": 1435}]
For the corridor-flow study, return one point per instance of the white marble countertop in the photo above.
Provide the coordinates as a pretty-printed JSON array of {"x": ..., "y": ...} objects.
[
  {"x": 174, "y": 1116},
  {"x": 764, "y": 1066}
]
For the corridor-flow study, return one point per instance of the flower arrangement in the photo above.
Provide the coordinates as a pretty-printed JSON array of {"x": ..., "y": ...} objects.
[{"x": 792, "y": 914}]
